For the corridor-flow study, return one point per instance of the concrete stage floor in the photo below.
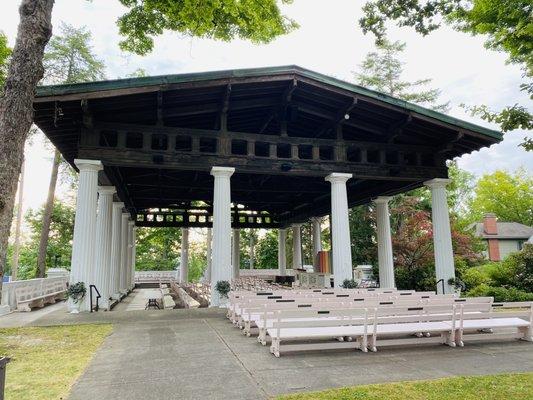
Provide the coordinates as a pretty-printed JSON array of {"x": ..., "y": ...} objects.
[{"x": 198, "y": 354}]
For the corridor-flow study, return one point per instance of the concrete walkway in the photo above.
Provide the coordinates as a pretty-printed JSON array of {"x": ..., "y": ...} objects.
[{"x": 198, "y": 354}]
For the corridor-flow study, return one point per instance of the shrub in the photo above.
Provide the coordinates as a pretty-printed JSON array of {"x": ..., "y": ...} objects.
[
  {"x": 349, "y": 284},
  {"x": 473, "y": 277},
  {"x": 516, "y": 271},
  {"x": 500, "y": 293},
  {"x": 223, "y": 287}
]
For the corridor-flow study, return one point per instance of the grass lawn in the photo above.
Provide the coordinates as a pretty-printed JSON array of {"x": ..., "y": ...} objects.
[
  {"x": 46, "y": 361},
  {"x": 492, "y": 387}
]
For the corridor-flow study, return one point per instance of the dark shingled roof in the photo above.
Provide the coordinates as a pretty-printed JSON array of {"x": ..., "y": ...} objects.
[{"x": 506, "y": 230}]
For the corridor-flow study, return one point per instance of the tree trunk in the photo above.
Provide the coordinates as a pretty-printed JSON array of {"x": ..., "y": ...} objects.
[
  {"x": 16, "y": 247},
  {"x": 16, "y": 105},
  {"x": 47, "y": 217}
]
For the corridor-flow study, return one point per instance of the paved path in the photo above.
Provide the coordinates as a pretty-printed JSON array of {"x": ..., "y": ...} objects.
[{"x": 198, "y": 354}]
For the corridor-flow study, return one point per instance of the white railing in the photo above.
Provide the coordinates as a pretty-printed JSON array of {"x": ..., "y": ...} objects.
[
  {"x": 265, "y": 272},
  {"x": 154, "y": 276},
  {"x": 38, "y": 285}
]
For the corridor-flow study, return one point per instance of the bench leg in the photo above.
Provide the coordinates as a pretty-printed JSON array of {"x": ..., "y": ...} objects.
[
  {"x": 373, "y": 347},
  {"x": 247, "y": 328},
  {"x": 528, "y": 334},
  {"x": 24, "y": 307},
  {"x": 364, "y": 344},
  {"x": 261, "y": 338},
  {"x": 459, "y": 338},
  {"x": 274, "y": 347},
  {"x": 448, "y": 339}
]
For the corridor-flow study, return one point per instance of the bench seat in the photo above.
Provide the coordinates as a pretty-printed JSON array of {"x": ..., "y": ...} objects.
[
  {"x": 323, "y": 332},
  {"x": 495, "y": 323},
  {"x": 413, "y": 327}
]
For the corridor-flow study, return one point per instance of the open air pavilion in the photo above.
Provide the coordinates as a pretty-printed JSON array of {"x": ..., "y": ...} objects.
[{"x": 254, "y": 148}]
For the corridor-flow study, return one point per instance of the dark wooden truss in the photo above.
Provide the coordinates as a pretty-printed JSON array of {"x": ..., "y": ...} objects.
[{"x": 282, "y": 129}]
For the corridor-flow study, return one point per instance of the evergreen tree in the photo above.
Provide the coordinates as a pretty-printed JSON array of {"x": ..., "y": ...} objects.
[
  {"x": 382, "y": 70},
  {"x": 68, "y": 58}
]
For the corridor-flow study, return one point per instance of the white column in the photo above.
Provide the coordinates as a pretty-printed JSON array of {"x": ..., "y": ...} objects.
[
  {"x": 282, "y": 251},
  {"x": 385, "y": 261},
  {"x": 184, "y": 259},
  {"x": 209, "y": 256},
  {"x": 103, "y": 243},
  {"x": 317, "y": 237},
  {"x": 85, "y": 227},
  {"x": 133, "y": 256},
  {"x": 221, "y": 230},
  {"x": 123, "y": 252},
  {"x": 296, "y": 246},
  {"x": 115, "y": 250},
  {"x": 340, "y": 228},
  {"x": 236, "y": 256},
  {"x": 129, "y": 254},
  {"x": 442, "y": 236}
]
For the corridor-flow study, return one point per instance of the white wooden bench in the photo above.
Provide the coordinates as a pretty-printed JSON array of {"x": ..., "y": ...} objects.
[
  {"x": 259, "y": 319},
  {"x": 510, "y": 320},
  {"x": 400, "y": 326},
  {"x": 239, "y": 306},
  {"x": 319, "y": 330}
]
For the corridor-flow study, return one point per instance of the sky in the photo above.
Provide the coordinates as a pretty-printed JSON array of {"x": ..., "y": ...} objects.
[{"x": 328, "y": 41}]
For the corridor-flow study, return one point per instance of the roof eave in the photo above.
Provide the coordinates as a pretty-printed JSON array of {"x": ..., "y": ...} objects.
[{"x": 117, "y": 84}]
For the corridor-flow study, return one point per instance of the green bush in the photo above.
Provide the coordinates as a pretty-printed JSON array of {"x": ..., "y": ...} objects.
[
  {"x": 473, "y": 277},
  {"x": 500, "y": 293},
  {"x": 349, "y": 284}
]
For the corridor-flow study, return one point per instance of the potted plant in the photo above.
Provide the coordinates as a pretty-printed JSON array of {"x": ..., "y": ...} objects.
[
  {"x": 457, "y": 284},
  {"x": 349, "y": 284},
  {"x": 223, "y": 288},
  {"x": 76, "y": 292}
]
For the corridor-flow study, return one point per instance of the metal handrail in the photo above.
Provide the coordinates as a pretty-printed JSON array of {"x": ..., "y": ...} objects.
[
  {"x": 441, "y": 281},
  {"x": 91, "y": 287}
]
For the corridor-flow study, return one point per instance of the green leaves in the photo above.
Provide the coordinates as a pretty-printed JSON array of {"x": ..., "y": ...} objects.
[
  {"x": 507, "y": 25},
  {"x": 509, "y": 196},
  {"x": 259, "y": 21}
]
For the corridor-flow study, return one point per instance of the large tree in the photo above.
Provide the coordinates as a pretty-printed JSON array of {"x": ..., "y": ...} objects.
[
  {"x": 382, "y": 70},
  {"x": 258, "y": 21},
  {"x": 509, "y": 196},
  {"x": 68, "y": 58},
  {"x": 507, "y": 25},
  {"x": 16, "y": 104}
]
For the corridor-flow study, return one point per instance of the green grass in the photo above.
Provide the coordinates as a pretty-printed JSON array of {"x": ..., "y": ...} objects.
[
  {"x": 492, "y": 387},
  {"x": 45, "y": 362}
]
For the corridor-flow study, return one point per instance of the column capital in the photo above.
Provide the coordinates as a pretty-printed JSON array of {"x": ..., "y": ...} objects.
[
  {"x": 338, "y": 177},
  {"x": 437, "y": 183},
  {"x": 298, "y": 225},
  {"x": 382, "y": 199},
  {"x": 106, "y": 190},
  {"x": 88, "y": 165},
  {"x": 222, "y": 171},
  {"x": 118, "y": 204},
  {"x": 125, "y": 215},
  {"x": 131, "y": 223},
  {"x": 318, "y": 219}
]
